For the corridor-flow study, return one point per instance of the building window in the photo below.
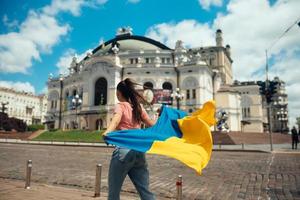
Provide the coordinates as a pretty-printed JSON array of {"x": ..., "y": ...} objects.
[
  {"x": 74, "y": 93},
  {"x": 168, "y": 60},
  {"x": 67, "y": 94},
  {"x": 163, "y": 60},
  {"x": 101, "y": 92},
  {"x": 148, "y": 85},
  {"x": 147, "y": 60},
  {"x": 187, "y": 94},
  {"x": 131, "y": 60},
  {"x": 167, "y": 86},
  {"x": 194, "y": 93},
  {"x": 136, "y": 60}
]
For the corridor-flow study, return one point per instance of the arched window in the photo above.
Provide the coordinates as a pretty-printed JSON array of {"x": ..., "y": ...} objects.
[
  {"x": 74, "y": 93},
  {"x": 67, "y": 94},
  {"x": 101, "y": 92},
  {"x": 148, "y": 85},
  {"x": 167, "y": 86}
]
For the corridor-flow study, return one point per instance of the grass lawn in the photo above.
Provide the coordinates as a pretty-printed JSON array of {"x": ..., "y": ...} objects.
[{"x": 70, "y": 136}]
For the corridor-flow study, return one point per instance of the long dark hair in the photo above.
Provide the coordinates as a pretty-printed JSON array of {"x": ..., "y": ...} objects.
[{"x": 127, "y": 89}]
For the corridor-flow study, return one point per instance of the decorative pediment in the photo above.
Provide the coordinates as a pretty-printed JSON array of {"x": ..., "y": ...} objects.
[{"x": 103, "y": 65}]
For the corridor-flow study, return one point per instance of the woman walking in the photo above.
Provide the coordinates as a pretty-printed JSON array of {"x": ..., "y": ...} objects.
[{"x": 128, "y": 114}]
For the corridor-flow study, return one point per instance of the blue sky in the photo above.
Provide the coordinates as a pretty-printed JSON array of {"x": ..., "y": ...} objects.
[
  {"x": 93, "y": 24},
  {"x": 40, "y": 37}
]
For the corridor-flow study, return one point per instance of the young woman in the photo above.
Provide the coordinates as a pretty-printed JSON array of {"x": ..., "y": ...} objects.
[{"x": 128, "y": 114}]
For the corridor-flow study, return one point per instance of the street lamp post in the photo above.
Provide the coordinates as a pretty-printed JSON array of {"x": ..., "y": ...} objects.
[
  {"x": 76, "y": 101},
  {"x": 178, "y": 96},
  {"x": 61, "y": 78}
]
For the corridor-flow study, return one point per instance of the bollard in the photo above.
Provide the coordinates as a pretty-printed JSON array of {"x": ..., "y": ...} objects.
[
  {"x": 98, "y": 180},
  {"x": 28, "y": 174},
  {"x": 243, "y": 146},
  {"x": 179, "y": 187}
]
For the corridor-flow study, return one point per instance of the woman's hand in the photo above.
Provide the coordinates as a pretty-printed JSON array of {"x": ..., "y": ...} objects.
[
  {"x": 113, "y": 124},
  {"x": 104, "y": 133}
]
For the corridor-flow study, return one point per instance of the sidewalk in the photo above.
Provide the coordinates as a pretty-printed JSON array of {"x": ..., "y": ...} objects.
[
  {"x": 239, "y": 147},
  {"x": 85, "y": 144},
  {"x": 282, "y": 148},
  {"x": 14, "y": 190}
]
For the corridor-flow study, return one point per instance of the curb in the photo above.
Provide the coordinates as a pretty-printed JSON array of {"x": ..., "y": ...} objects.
[
  {"x": 243, "y": 150},
  {"x": 72, "y": 144}
]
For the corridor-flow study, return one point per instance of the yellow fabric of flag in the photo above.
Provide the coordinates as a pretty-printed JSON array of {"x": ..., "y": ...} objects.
[{"x": 195, "y": 146}]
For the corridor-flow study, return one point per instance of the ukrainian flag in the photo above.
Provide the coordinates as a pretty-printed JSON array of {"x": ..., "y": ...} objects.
[{"x": 185, "y": 138}]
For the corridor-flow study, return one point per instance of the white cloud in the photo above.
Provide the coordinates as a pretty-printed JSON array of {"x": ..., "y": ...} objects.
[
  {"x": 18, "y": 86},
  {"x": 65, "y": 60},
  {"x": 206, "y": 4},
  {"x": 190, "y": 32},
  {"x": 10, "y": 24},
  {"x": 249, "y": 27},
  {"x": 72, "y": 6},
  {"x": 56, "y": 6},
  {"x": 133, "y": 1},
  {"x": 37, "y": 35}
]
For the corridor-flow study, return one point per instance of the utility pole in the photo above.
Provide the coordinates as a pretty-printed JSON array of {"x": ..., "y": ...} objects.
[
  {"x": 268, "y": 91},
  {"x": 268, "y": 103}
]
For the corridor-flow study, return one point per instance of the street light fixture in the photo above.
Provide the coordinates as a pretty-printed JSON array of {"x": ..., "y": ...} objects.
[
  {"x": 76, "y": 101},
  {"x": 178, "y": 96}
]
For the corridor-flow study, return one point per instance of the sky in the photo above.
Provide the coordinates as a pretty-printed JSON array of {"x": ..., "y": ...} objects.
[{"x": 39, "y": 37}]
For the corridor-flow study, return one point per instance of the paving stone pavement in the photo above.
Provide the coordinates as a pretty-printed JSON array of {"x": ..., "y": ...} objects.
[
  {"x": 14, "y": 190},
  {"x": 229, "y": 175}
]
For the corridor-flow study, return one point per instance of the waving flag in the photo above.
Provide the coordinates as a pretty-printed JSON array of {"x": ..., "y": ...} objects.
[{"x": 185, "y": 138}]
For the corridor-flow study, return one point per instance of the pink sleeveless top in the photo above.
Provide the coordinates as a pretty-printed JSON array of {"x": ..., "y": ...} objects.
[{"x": 127, "y": 121}]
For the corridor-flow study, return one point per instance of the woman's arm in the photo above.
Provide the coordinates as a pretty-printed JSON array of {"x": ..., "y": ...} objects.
[
  {"x": 146, "y": 119},
  {"x": 113, "y": 124},
  {"x": 149, "y": 122}
]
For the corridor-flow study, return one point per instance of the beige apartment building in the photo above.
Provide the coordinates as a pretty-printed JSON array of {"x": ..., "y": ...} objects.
[
  {"x": 28, "y": 107},
  {"x": 253, "y": 114},
  {"x": 254, "y": 107}
]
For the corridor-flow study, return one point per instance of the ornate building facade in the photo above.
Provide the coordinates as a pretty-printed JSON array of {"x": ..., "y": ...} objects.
[
  {"x": 30, "y": 108},
  {"x": 279, "y": 108},
  {"x": 85, "y": 98}
]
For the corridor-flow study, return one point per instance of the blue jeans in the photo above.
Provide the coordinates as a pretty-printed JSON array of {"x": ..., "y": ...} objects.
[{"x": 123, "y": 162}]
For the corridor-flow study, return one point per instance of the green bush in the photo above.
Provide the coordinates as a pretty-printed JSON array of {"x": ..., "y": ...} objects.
[{"x": 35, "y": 127}]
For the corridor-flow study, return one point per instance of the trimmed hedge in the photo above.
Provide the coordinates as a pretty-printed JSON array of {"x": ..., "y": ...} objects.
[{"x": 35, "y": 127}]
